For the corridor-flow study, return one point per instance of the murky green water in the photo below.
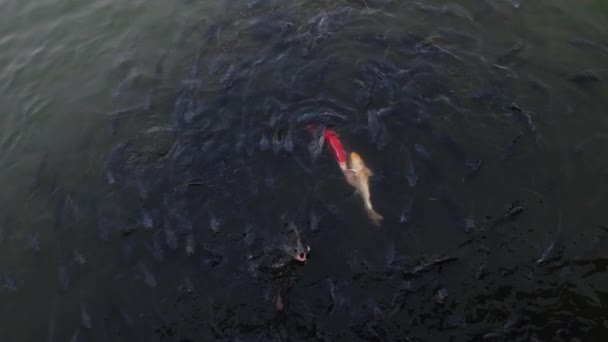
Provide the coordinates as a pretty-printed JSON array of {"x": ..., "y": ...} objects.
[{"x": 78, "y": 78}]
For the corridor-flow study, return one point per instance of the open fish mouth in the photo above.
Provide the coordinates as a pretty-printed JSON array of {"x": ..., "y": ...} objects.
[{"x": 302, "y": 256}]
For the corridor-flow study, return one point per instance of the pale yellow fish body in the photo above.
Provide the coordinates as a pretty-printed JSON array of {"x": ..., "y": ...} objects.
[{"x": 358, "y": 175}]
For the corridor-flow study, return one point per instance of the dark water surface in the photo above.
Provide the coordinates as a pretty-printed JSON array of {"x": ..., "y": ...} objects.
[{"x": 153, "y": 154}]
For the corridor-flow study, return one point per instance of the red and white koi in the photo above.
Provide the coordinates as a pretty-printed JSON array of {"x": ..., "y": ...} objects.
[{"x": 355, "y": 171}]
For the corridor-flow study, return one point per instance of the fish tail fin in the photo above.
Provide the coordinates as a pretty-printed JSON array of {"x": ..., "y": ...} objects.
[{"x": 374, "y": 216}]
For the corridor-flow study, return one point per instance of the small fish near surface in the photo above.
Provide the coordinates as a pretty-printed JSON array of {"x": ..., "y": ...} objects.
[
  {"x": 64, "y": 278},
  {"x": 441, "y": 295},
  {"x": 427, "y": 263},
  {"x": 279, "y": 259},
  {"x": 451, "y": 9},
  {"x": 9, "y": 284},
  {"x": 358, "y": 175},
  {"x": 522, "y": 117},
  {"x": 473, "y": 168},
  {"x": 585, "y": 77},
  {"x": 514, "y": 211},
  {"x": 190, "y": 245},
  {"x": 314, "y": 220},
  {"x": 586, "y": 43},
  {"x": 406, "y": 213},
  {"x": 148, "y": 277},
  {"x": 85, "y": 316},
  {"x": 278, "y": 302},
  {"x": 316, "y": 146},
  {"x": 112, "y": 160},
  {"x": 511, "y": 55},
  {"x": 35, "y": 182},
  {"x": 469, "y": 221},
  {"x": 295, "y": 246},
  {"x": 377, "y": 129},
  {"x": 412, "y": 176},
  {"x": 555, "y": 249},
  {"x": 322, "y": 117},
  {"x": 282, "y": 139}
]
